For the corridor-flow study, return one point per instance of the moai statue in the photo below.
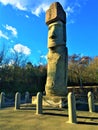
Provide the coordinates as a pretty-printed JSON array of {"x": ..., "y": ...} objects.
[{"x": 56, "y": 83}]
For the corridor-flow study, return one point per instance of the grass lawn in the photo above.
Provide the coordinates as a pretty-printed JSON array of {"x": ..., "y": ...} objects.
[{"x": 51, "y": 119}]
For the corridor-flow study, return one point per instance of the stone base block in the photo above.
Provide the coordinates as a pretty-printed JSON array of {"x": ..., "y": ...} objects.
[{"x": 59, "y": 102}]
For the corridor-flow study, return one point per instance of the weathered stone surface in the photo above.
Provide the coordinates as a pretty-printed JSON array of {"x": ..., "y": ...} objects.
[
  {"x": 56, "y": 84},
  {"x": 17, "y": 100},
  {"x": 56, "y": 34},
  {"x": 57, "y": 71},
  {"x": 53, "y": 101},
  {"x": 39, "y": 103},
  {"x": 2, "y": 100},
  {"x": 72, "y": 108},
  {"x": 91, "y": 102},
  {"x": 55, "y": 13}
]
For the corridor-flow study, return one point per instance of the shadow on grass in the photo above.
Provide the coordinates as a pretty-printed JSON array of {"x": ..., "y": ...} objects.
[
  {"x": 28, "y": 107},
  {"x": 54, "y": 111},
  {"x": 24, "y": 108},
  {"x": 85, "y": 117},
  {"x": 51, "y": 108},
  {"x": 55, "y": 114},
  {"x": 87, "y": 123}
]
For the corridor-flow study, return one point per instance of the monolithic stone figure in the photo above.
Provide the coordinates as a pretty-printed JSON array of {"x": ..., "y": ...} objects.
[{"x": 56, "y": 83}]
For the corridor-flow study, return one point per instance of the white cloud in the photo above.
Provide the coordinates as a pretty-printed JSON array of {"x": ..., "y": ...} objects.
[
  {"x": 12, "y": 29},
  {"x": 41, "y": 8},
  {"x": 27, "y": 16},
  {"x": 2, "y": 35},
  {"x": 43, "y": 5},
  {"x": 20, "y": 7},
  {"x": 69, "y": 10},
  {"x": 6, "y": 32},
  {"x": 43, "y": 57},
  {"x": 71, "y": 21},
  {"x": 11, "y": 62},
  {"x": 15, "y": 3},
  {"x": 12, "y": 50},
  {"x": 35, "y": 7},
  {"x": 22, "y": 49}
]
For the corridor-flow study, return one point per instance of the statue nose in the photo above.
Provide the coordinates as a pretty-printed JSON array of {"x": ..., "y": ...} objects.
[
  {"x": 53, "y": 36},
  {"x": 52, "y": 33}
]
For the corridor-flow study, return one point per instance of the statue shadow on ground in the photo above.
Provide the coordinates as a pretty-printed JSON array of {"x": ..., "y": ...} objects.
[
  {"x": 84, "y": 107},
  {"x": 28, "y": 107},
  {"x": 55, "y": 114},
  {"x": 87, "y": 123},
  {"x": 54, "y": 111},
  {"x": 80, "y": 107}
]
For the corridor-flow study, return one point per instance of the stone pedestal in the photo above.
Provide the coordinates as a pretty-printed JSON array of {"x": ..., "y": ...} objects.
[{"x": 56, "y": 102}]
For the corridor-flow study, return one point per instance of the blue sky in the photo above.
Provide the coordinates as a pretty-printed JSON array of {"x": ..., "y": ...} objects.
[{"x": 23, "y": 28}]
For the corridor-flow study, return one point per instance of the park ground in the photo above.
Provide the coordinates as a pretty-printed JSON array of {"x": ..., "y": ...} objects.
[{"x": 51, "y": 119}]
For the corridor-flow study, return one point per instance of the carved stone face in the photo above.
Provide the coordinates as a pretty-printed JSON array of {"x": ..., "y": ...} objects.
[{"x": 56, "y": 34}]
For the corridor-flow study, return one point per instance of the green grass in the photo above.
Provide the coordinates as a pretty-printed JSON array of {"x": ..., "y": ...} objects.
[{"x": 51, "y": 119}]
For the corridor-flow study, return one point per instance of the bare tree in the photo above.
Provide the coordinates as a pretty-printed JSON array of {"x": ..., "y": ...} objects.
[
  {"x": 77, "y": 65},
  {"x": 18, "y": 59}
]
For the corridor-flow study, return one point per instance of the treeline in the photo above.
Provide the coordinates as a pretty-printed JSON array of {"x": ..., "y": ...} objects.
[
  {"x": 29, "y": 78},
  {"x": 22, "y": 76},
  {"x": 82, "y": 70}
]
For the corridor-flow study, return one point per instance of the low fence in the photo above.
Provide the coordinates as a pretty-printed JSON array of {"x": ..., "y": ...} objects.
[
  {"x": 81, "y": 92},
  {"x": 8, "y": 101},
  {"x": 80, "y": 95},
  {"x": 71, "y": 100}
]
